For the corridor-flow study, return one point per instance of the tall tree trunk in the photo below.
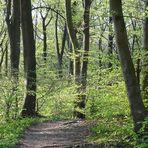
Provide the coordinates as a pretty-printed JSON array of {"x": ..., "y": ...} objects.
[
  {"x": 110, "y": 40},
  {"x": 59, "y": 52},
  {"x": 145, "y": 67},
  {"x": 138, "y": 70},
  {"x": 15, "y": 38},
  {"x": 60, "y": 59},
  {"x": 74, "y": 41},
  {"x": 44, "y": 39},
  {"x": 100, "y": 49},
  {"x": 138, "y": 110},
  {"x": 13, "y": 24},
  {"x": 29, "y": 59},
  {"x": 44, "y": 27},
  {"x": 75, "y": 47},
  {"x": 81, "y": 103},
  {"x": 14, "y": 35}
]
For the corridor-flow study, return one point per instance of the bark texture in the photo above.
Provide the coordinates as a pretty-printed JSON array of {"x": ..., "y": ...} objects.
[
  {"x": 60, "y": 51},
  {"x": 13, "y": 24},
  {"x": 110, "y": 39},
  {"x": 74, "y": 41},
  {"x": 77, "y": 64},
  {"x": 29, "y": 59},
  {"x": 138, "y": 110},
  {"x": 86, "y": 14}
]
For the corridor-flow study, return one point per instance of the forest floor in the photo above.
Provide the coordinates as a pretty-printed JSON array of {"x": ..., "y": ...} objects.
[{"x": 60, "y": 134}]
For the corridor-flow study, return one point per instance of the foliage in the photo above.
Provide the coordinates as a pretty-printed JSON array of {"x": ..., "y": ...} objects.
[
  {"x": 9, "y": 98},
  {"x": 106, "y": 95},
  {"x": 107, "y": 105},
  {"x": 142, "y": 141},
  {"x": 10, "y": 132}
]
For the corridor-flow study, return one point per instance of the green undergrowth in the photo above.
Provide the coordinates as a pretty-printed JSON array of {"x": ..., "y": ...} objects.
[
  {"x": 109, "y": 108},
  {"x": 108, "y": 105},
  {"x": 113, "y": 132},
  {"x": 118, "y": 132},
  {"x": 11, "y": 132}
]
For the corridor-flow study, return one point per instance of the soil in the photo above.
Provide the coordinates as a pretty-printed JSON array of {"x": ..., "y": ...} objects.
[{"x": 60, "y": 134}]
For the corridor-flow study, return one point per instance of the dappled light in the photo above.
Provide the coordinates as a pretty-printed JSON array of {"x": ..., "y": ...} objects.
[{"x": 73, "y": 73}]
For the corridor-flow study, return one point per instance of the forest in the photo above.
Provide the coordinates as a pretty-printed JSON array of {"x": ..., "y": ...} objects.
[{"x": 68, "y": 63}]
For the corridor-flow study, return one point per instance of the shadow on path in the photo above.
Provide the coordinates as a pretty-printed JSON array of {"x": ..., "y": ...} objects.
[{"x": 61, "y": 134}]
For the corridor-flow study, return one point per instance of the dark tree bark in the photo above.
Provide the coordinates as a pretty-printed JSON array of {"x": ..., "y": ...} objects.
[
  {"x": 29, "y": 59},
  {"x": 60, "y": 52},
  {"x": 100, "y": 49},
  {"x": 110, "y": 40},
  {"x": 75, "y": 47},
  {"x": 134, "y": 36},
  {"x": 82, "y": 100},
  {"x": 44, "y": 26},
  {"x": 145, "y": 63},
  {"x": 74, "y": 41},
  {"x": 138, "y": 110},
  {"x": 13, "y": 24},
  {"x": 44, "y": 39},
  {"x": 138, "y": 70}
]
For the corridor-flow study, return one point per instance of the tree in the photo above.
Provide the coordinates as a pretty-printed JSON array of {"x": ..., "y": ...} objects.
[
  {"x": 13, "y": 24},
  {"x": 74, "y": 41},
  {"x": 29, "y": 59},
  {"x": 86, "y": 34},
  {"x": 138, "y": 110},
  {"x": 60, "y": 52},
  {"x": 75, "y": 47},
  {"x": 44, "y": 26},
  {"x": 110, "y": 40}
]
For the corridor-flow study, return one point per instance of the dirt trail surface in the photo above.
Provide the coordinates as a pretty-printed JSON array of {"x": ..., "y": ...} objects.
[{"x": 61, "y": 134}]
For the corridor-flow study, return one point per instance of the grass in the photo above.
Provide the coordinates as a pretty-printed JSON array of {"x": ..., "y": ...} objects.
[
  {"x": 110, "y": 109},
  {"x": 107, "y": 104},
  {"x": 11, "y": 132}
]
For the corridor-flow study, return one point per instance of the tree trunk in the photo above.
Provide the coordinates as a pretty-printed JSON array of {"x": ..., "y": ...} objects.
[
  {"x": 44, "y": 40},
  {"x": 59, "y": 52},
  {"x": 60, "y": 59},
  {"x": 14, "y": 35},
  {"x": 75, "y": 47},
  {"x": 145, "y": 63},
  {"x": 29, "y": 59},
  {"x": 81, "y": 103},
  {"x": 13, "y": 24},
  {"x": 138, "y": 70},
  {"x": 110, "y": 41},
  {"x": 138, "y": 110},
  {"x": 73, "y": 38}
]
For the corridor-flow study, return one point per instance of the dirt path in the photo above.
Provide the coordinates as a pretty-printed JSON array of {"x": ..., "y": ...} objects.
[{"x": 61, "y": 134}]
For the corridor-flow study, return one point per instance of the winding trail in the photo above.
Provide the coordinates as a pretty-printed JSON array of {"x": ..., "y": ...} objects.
[{"x": 61, "y": 134}]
